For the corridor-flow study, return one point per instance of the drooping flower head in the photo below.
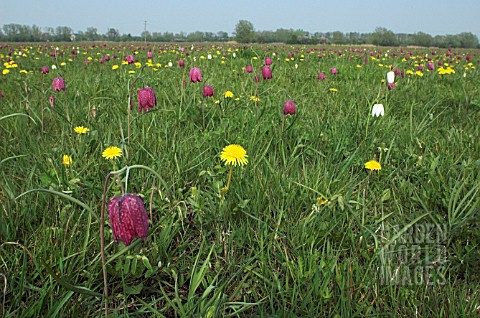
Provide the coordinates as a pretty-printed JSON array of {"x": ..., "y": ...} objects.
[
  {"x": 378, "y": 110},
  {"x": 195, "y": 75},
  {"x": 208, "y": 91},
  {"x": 51, "y": 99},
  {"x": 289, "y": 108},
  {"x": 249, "y": 69},
  {"x": 128, "y": 218},
  {"x": 45, "y": 70},
  {"x": 181, "y": 63},
  {"x": 266, "y": 72},
  {"x": 390, "y": 77},
  {"x": 58, "y": 84},
  {"x": 321, "y": 76},
  {"x": 234, "y": 155},
  {"x": 146, "y": 99},
  {"x": 333, "y": 71},
  {"x": 268, "y": 61},
  {"x": 431, "y": 66},
  {"x": 149, "y": 55},
  {"x": 130, "y": 59}
]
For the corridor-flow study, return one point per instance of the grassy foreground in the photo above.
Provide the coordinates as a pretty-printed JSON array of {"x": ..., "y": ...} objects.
[{"x": 304, "y": 230}]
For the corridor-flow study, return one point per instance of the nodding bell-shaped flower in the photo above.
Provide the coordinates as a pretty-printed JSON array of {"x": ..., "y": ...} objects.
[
  {"x": 130, "y": 59},
  {"x": 378, "y": 110},
  {"x": 266, "y": 72},
  {"x": 195, "y": 75},
  {"x": 146, "y": 99},
  {"x": 431, "y": 66},
  {"x": 181, "y": 63},
  {"x": 249, "y": 69},
  {"x": 390, "y": 77},
  {"x": 333, "y": 71},
  {"x": 149, "y": 55},
  {"x": 58, "y": 84},
  {"x": 321, "y": 76},
  {"x": 289, "y": 108},
  {"x": 51, "y": 99},
  {"x": 268, "y": 61},
  {"x": 208, "y": 91},
  {"x": 45, "y": 70},
  {"x": 128, "y": 218}
]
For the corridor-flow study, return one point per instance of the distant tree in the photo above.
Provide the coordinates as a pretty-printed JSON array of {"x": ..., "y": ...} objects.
[
  {"x": 338, "y": 38},
  {"x": 244, "y": 31},
  {"x": 222, "y": 36},
  {"x": 383, "y": 37},
  {"x": 112, "y": 34},
  {"x": 468, "y": 40},
  {"x": 196, "y": 36},
  {"x": 63, "y": 33},
  {"x": 422, "y": 39},
  {"x": 91, "y": 34}
]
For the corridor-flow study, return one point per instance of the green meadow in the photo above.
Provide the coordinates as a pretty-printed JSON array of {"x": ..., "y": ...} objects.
[{"x": 307, "y": 225}]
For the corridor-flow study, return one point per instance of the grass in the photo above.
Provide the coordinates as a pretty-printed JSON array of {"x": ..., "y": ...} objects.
[{"x": 304, "y": 230}]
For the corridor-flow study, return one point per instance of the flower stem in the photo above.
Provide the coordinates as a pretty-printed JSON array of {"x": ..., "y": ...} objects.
[{"x": 229, "y": 178}]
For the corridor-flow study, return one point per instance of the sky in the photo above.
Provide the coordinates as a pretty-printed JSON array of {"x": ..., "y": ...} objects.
[{"x": 435, "y": 17}]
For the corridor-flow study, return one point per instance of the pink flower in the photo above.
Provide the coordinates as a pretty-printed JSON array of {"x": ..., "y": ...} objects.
[
  {"x": 58, "y": 84},
  {"x": 431, "y": 66},
  {"x": 208, "y": 91},
  {"x": 181, "y": 63},
  {"x": 45, "y": 70},
  {"x": 268, "y": 61},
  {"x": 146, "y": 99},
  {"x": 390, "y": 86},
  {"x": 266, "y": 72},
  {"x": 149, "y": 55},
  {"x": 321, "y": 76},
  {"x": 333, "y": 70},
  {"x": 107, "y": 57},
  {"x": 249, "y": 69},
  {"x": 289, "y": 108},
  {"x": 128, "y": 218},
  {"x": 195, "y": 75},
  {"x": 100, "y": 60},
  {"x": 130, "y": 59},
  {"x": 51, "y": 99}
]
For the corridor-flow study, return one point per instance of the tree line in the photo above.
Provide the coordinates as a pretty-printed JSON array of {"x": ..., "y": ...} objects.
[{"x": 244, "y": 33}]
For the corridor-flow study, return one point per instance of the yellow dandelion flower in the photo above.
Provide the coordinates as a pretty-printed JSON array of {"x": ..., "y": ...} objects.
[
  {"x": 409, "y": 72},
  {"x": 419, "y": 73},
  {"x": 131, "y": 72},
  {"x": 81, "y": 130},
  {"x": 112, "y": 152},
  {"x": 228, "y": 94},
  {"x": 114, "y": 67},
  {"x": 333, "y": 90},
  {"x": 67, "y": 160},
  {"x": 234, "y": 155},
  {"x": 373, "y": 165},
  {"x": 5, "y": 71},
  {"x": 63, "y": 64}
]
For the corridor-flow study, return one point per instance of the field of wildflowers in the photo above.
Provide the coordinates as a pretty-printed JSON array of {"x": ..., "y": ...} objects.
[{"x": 209, "y": 180}]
